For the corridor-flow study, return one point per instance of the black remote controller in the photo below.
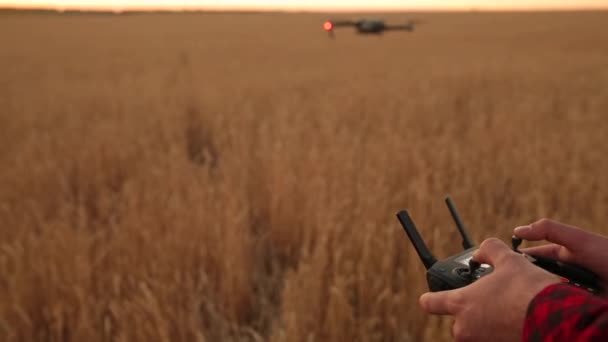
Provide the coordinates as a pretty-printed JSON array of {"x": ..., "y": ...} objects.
[
  {"x": 571, "y": 274},
  {"x": 461, "y": 270}
]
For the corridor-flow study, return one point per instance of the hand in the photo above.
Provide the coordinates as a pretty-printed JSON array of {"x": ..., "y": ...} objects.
[
  {"x": 494, "y": 307},
  {"x": 570, "y": 245}
]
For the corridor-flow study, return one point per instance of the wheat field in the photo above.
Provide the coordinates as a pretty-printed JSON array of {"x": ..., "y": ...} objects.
[{"x": 235, "y": 177}]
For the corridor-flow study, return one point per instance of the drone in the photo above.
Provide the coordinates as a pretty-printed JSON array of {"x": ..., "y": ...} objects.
[{"x": 367, "y": 26}]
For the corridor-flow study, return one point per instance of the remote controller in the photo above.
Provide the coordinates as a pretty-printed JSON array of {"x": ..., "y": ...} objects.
[
  {"x": 571, "y": 274},
  {"x": 461, "y": 270}
]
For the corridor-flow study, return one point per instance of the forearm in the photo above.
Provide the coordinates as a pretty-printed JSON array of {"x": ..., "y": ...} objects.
[{"x": 563, "y": 312}]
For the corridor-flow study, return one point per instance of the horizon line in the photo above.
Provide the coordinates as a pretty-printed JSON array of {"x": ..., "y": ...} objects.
[{"x": 301, "y": 9}]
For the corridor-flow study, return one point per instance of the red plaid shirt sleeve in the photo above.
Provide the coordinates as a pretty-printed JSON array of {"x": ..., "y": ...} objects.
[{"x": 562, "y": 312}]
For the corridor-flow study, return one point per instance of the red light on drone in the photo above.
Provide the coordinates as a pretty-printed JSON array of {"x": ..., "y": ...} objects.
[{"x": 328, "y": 26}]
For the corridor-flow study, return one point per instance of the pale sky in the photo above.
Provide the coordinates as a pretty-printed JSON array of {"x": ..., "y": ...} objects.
[{"x": 309, "y": 4}]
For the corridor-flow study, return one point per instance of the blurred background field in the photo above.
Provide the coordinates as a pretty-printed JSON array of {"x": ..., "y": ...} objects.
[{"x": 224, "y": 177}]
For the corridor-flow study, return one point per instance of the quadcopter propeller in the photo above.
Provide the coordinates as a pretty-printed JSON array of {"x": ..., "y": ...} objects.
[{"x": 415, "y": 22}]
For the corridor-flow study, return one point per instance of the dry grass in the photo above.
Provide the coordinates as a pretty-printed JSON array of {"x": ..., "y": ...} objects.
[{"x": 235, "y": 177}]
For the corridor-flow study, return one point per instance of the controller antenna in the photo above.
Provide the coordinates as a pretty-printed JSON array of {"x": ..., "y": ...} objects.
[
  {"x": 424, "y": 253},
  {"x": 466, "y": 240}
]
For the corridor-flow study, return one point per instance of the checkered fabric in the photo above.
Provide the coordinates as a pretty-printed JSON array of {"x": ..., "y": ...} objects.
[{"x": 563, "y": 312}]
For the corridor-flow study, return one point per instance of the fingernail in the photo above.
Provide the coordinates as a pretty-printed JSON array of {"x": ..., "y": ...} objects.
[
  {"x": 522, "y": 229},
  {"x": 422, "y": 300}
]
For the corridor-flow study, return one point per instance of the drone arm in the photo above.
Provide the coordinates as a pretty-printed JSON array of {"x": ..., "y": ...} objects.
[
  {"x": 407, "y": 27},
  {"x": 344, "y": 23}
]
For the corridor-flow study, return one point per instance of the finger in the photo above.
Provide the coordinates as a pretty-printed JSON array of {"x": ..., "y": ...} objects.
[
  {"x": 440, "y": 303},
  {"x": 460, "y": 332},
  {"x": 492, "y": 251},
  {"x": 548, "y": 251},
  {"x": 555, "y": 232},
  {"x": 552, "y": 251}
]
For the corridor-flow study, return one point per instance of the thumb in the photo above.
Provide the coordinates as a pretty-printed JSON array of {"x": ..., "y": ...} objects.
[
  {"x": 440, "y": 303},
  {"x": 492, "y": 251},
  {"x": 555, "y": 232}
]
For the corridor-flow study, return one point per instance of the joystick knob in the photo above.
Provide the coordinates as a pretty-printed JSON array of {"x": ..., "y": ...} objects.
[
  {"x": 515, "y": 242},
  {"x": 473, "y": 266}
]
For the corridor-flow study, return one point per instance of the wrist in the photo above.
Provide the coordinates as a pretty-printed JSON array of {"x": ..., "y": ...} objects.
[{"x": 548, "y": 281}]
